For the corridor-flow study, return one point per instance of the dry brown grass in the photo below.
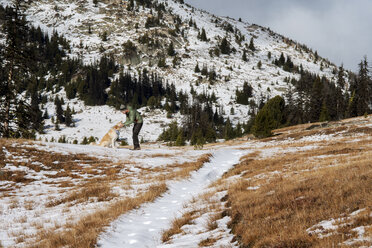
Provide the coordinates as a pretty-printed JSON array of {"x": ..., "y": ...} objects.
[
  {"x": 101, "y": 192},
  {"x": 177, "y": 224},
  {"x": 64, "y": 165},
  {"x": 180, "y": 171},
  {"x": 203, "y": 204},
  {"x": 85, "y": 232},
  {"x": 212, "y": 221},
  {"x": 207, "y": 242},
  {"x": 308, "y": 189},
  {"x": 160, "y": 155}
]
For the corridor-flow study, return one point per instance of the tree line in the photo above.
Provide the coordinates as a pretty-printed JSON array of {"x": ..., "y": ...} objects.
[{"x": 315, "y": 99}]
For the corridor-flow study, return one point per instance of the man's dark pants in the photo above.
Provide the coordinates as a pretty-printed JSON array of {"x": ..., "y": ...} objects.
[{"x": 136, "y": 129}]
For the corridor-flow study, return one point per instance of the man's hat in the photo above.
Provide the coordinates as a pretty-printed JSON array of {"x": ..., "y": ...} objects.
[{"x": 123, "y": 107}]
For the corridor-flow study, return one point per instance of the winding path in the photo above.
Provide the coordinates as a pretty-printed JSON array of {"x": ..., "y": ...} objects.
[{"x": 143, "y": 227}]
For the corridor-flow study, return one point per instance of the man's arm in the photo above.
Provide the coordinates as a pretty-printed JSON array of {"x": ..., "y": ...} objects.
[{"x": 131, "y": 118}]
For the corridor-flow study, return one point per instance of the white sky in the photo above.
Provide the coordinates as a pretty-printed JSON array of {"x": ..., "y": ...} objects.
[{"x": 340, "y": 30}]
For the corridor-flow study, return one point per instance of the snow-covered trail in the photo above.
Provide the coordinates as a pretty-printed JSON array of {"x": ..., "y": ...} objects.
[{"x": 143, "y": 227}]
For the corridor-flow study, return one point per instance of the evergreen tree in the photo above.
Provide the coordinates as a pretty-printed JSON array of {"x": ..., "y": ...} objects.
[
  {"x": 259, "y": 64},
  {"x": 324, "y": 115},
  {"x": 270, "y": 117},
  {"x": 68, "y": 117},
  {"x": 341, "y": 77},
  {"x": 84, "y": 141},
  {"x": 15, "y": 58},
  {"x": 340, "y": 104},
  {"x": 197, "y": 69},
  {"x": 170, "y": 50},
  {"x": 204, "y": 70},
  {"x": 225, "y": 46},
  {"x": 244, "y": 58},
  {"x": 46, "y": 114},
  {"x": 152, "y": 102},
  {"x": 130, "y": 5},
  {"x": 269, "y": 55},
  {"x": 36, "y": 116},
  {"x": 228, "y": 131},
  {"x": 23, "y": 122},
  {"x": 180, "y": 141},
  {"x": 238, "y": 130},
  {"x": 56, "y": 126},
  {"x": 203, "y": 35},
  {"x": 281, "y": 60},
  {"x": 162, "y": 63},
  {"x": 362, "y": 91},
  {"x": 316, "y": 101},
  {"x": 251, "y": 45},
  {"x": 59, "y": 111},
  {"x": 243, "y": 96}
]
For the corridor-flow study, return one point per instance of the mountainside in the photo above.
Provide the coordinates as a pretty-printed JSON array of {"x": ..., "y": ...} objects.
[{"x": 172, "y": 39}]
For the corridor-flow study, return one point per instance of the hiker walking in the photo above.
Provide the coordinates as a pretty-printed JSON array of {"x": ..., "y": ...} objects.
[{"x": 133, "y": 117}]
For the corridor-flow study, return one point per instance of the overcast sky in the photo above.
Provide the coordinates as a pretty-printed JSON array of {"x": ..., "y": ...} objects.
[{"x": 340, "y": 30}]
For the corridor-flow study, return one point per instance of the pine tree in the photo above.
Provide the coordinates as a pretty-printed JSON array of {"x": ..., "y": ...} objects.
[
  {"x": 244, "y": 58},
  {"x": 362, "y": 90},
  {"x": 225, "y": 46},
  {"x": 84, "y": 141},
  {"x": 204, "y": 70},
  {"x": 271, "y": 116},
  {"x": 203, "y": 35},
  {"x": 130, "y": 5},
  {"x": 162, "y": 63},
  {"x": 56, "y": 126},
  {"x": 23, "y": 122},
  {"x": 238, "y": 130},
  {"x": 259, "y": 64},
  {"x": 269, "y": 55},
  {"x": 251, "y": 45},
  {"x": 89, "y": 29},
  {"x": 36, "y": 116},
  {"x": 68, "y": 117},
  {"x": 59, "y": 110},
  {"x": 228, "y": 130},
  {"x": 341, "y": 77},
  {"x": 197, "y": 69},
  {"x": 281, "y": 60},
  {"x": 170, "y": 50},
  {"x": 324, "y": 115},
  {"x": 180, "y": 141},
  {"x": 316, "y": 100},
  {"x": 46, "y": 114},
  {"x": 15, "y": 57}
]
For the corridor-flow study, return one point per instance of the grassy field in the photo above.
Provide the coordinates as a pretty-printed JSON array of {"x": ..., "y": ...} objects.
[{"x": 308, "y": 186}]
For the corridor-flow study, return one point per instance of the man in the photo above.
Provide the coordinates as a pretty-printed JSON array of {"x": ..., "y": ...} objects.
[{"x": 133, "y": 117}]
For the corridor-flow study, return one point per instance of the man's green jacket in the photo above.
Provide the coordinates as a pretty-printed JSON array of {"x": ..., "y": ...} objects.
[{"x": 133, "y": 117}]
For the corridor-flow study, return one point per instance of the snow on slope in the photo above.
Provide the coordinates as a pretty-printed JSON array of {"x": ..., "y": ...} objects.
[
  {"x": 97, "y": 120},
  {"x": 73, "y": 19}
]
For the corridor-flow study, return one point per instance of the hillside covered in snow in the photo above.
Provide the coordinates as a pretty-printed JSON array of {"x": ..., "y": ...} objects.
[{"x": 199, "y": 53}]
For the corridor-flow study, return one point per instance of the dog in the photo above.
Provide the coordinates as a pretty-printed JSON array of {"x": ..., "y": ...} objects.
[{"x": 109, "y": 140}]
